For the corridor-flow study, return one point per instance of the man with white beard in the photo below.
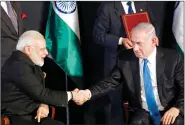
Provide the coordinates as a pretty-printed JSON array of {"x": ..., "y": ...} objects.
[{"x": 25, "y": 100}]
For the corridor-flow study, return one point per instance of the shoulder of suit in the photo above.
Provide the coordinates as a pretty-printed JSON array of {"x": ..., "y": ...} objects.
[
  {"x": 141, "y": 4},
  {"x": 16, "y": 68},
  {"x": 106, "y": 7},
  {"x": 170, "y": 53},
  {"x": 19, "y": 59},
  {"x": 126, "y": 54},
  {"x": 108, "y": 4}
]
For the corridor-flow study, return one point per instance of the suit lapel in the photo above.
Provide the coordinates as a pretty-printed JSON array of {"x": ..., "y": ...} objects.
[
  {"x": 118, "y": 9},
  {"x": 160, "y": 63},
  {"x": 7, "y": 21},
  {"x": 160, "y": 66},
  {"x": 136, "y": 78}
]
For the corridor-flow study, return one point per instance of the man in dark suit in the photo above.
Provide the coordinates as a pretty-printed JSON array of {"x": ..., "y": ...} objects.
[
  {"x": 11, "y": 28},
  {"x": 110, "y": 34},
  {"x": 24, "y": 96},
  {"x": 153, "y": 79}
]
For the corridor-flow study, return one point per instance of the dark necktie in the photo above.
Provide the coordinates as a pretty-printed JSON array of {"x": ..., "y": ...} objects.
[
  {"x": 150, "y": 99},
  {"x": 12, "y": 15},
  {"x": 130, "y": 10}
]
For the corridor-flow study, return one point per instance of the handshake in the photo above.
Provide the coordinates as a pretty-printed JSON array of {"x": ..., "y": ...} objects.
[{"x": 80, "y": 96}]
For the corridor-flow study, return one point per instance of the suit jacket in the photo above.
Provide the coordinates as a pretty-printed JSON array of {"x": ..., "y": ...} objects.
[
  {"x": 108, "y": 28},
  {"x": 9, "y": 37},
  {"x": 170, "y": 79},
  {"x": 23, "y": 87}
]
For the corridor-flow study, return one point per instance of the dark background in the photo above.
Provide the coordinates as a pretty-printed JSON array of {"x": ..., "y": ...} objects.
[{"x": 37, "y": 14}]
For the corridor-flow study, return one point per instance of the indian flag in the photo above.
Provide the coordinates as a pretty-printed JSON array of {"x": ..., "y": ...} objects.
[
  {"x": 63, "y": 38},
  {"x": 178, "y": 25}
]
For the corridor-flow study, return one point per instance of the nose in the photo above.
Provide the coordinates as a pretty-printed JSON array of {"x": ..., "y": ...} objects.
[{"x": 46, "y": 52}]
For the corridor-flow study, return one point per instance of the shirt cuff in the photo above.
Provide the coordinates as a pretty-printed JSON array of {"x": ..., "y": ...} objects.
[
  {"x": 69, "y": 95},
  {"x": 120, "y": 41},
  {"x": 89, "y": 94}
]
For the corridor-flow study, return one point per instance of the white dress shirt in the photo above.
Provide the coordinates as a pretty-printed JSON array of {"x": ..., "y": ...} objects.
[
  {"x": 69, "y": 95},
  {"x": 4, "y": 6},
  {"x": 125, "y": 7},
  {"x": 152, "y": 67}
]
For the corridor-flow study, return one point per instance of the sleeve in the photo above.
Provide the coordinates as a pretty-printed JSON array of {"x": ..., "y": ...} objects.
[
  {"x": 101, "y": 30},
  {"x": 30, "y": 85},
  {"x": 179, "y": 80},
  {"x": 107, "y": 84}
]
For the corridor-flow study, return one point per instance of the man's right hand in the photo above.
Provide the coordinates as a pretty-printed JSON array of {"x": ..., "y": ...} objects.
[
  {"x": 127, "y": 43},
  {"x": 42, "y": 112}
]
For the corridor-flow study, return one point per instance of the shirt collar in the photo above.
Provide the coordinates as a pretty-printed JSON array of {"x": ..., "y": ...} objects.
[
  {"x": 124, "y": 3},
  {"x": 151, "y": 57}
]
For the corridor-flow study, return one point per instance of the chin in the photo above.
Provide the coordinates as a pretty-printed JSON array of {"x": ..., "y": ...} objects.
[
  {"x": 139, "y": 56},
  {"x": 41, "y": 63}
]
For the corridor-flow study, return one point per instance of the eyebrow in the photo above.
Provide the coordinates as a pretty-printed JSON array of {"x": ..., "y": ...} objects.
[{"x": 134, "y": 41}]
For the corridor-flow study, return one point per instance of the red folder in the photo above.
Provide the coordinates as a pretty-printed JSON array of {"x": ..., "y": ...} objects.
[{"x": 131, "y": 20}]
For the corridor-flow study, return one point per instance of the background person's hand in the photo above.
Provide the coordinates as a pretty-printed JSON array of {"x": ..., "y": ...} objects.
[{"x": 127, "y": 43}]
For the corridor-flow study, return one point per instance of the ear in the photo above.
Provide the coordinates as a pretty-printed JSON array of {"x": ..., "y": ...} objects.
[
  {"x": 27, "y": 50},
  {"x": 155, "y": 41}
]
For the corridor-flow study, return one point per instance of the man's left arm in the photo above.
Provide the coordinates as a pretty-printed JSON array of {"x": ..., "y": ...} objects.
[
  {"x": 179, "y": 79},
  {"x": 170, "y": 116}
]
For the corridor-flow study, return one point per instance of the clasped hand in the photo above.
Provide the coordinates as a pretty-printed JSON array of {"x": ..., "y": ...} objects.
[{"x": 81, "y": 96}]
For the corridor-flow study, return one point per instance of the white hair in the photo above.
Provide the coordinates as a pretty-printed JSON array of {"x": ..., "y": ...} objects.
[
  {"x": 148, "y": 28},
  {"x": 28, "y": 38}
]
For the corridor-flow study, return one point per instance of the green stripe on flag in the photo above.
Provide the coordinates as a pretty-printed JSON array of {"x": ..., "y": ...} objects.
[
  {"x": 64, "y": 46},
  {"x": 177, "y": 26},
  {"x": 179, "y": 49}
]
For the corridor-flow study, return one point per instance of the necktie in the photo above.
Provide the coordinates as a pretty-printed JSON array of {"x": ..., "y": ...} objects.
[
  {"x": 152, "y": 106},
  {"x": 130, "y": 10},
  {"x": 12, "y": 15}
]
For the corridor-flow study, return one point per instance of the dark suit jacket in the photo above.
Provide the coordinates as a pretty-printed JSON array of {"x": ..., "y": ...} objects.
[
  {"x": 9, "y": 37},
  {"x": 170, "y": 79},
  {"x": 23, "y": 87},
  {"x": 108, "y": 28}
]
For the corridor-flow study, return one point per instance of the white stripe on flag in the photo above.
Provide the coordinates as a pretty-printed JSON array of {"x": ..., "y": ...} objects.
[
  {"x": 71, "y": 19},
  {"x": 178, "y": 25}
]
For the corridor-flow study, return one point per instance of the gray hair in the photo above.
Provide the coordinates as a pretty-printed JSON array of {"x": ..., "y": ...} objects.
[
  {"x": 28, "y": 38},
  {"x": 148, "y": 28}
]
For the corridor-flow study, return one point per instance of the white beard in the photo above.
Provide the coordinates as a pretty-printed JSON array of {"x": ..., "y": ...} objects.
[
  {"x": 41, "y": 63},
  {"x": 37, "y": 60}
]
